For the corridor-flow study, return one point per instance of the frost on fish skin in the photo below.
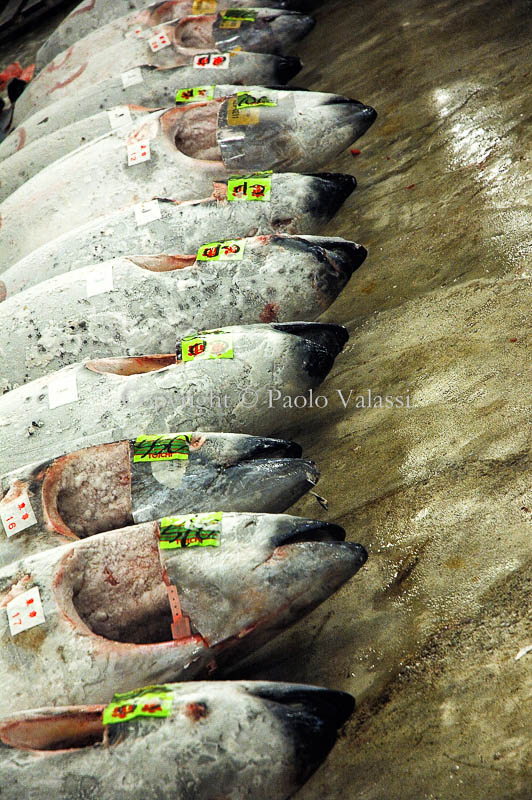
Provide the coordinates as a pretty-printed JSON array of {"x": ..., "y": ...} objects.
[
  {"x": 264, "y": 739},
  {"x": 106, "y": 606},
  {"x": 154, "y": 301},
  {"x": 299, "y": 203},
  {"x": 102, "y": 488},
  {"x": 118, "y": 405},
  {"x": 190, "y": 147}
]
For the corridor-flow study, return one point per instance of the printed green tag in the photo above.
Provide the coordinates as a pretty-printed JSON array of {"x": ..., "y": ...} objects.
[
  {"x": 194, "y": 93},
  {"x": 151, "y": 701},
  {"x": 247, "y": 100},
  {"x": 206, "y": 345},
  {"x": 255, "y": 187},
  {"x": 243, "y": 14},
  {"x": 164, "y": 447},
  {"x": 230, "y": 250},
  {"x": 190, "y": 530}
]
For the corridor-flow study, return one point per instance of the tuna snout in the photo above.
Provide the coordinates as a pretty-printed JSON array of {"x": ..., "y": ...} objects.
[
  {"x": 320, "y": 344},
  {"x": 312, "y": 717},
  {"x": 330, "y": 190}
]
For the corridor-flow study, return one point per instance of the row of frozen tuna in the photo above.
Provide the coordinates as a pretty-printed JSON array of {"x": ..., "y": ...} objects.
[{"x": 133, "y": 554}]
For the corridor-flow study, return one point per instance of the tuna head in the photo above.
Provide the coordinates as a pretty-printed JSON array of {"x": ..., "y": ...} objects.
[
  {"x": 269, "y": 571},
  {"x": 270, "y": 737},
  {"x": 108, "y": 486},
  {"x": 288, "y": 130},
  {"x": 164, "y": 600},
  {"x": 219, "y": 380},
  {"x": 266, "y": 30}
]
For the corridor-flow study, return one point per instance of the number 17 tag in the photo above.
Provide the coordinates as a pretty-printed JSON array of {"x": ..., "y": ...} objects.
[{"x": 25, "y": 611}]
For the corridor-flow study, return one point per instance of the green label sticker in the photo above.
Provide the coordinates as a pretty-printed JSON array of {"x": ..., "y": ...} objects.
[
  {"x": 194, "y": 93},
  {"x": 247, "y": 100},
  {"x": 243, "y": 14},
  {"x": 164, "y": 447},
  {"x": 255, "y": 187},
  {"x": 151, "y": 701},
  {"x": 206, "y": 345},
  {"x": 230, "y": 250},
  {"x": 190, "y": 530}
]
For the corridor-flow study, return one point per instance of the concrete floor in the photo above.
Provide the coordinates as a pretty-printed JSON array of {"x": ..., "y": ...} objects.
[{"x": 426, "y": 635}]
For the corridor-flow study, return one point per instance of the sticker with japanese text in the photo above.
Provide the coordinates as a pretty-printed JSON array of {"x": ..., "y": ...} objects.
[
  {"x": 242, "y": 14},
  {"x": 247, "y": 100},
  {"x": 138, "y": 152},
  {"x": 152, "y": 701},
  {"x": 159, "y": 41},
  {"x": 25, "y": 611},
  {"x": 63, "y": 389},
  {"x": 190, "y": 530},
  {"x": 255, "y": 187},
  {"x": 194, "y": 94},
  {"x": 17, "y": 515},
  {"x": 212, "y": 60},
  {"x": 207, "y": 345},
  {"x": 230, "y": 250},
  {"x": 164, "y": 447}
]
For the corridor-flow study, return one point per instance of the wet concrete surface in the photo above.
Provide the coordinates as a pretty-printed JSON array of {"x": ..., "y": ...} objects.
[{"x": 426, "y": 635}]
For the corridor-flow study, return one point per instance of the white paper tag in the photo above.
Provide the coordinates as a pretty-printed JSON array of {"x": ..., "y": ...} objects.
[
  {"x": 131, "y": 77},
  {"x": 25, "y": 611},
  {"x": 100, "y": 280},
  {"x": 17, "y": 515},
  {"x": 211, "y": 60},
  {"x": 147, "y": 212},
  {"x": 137, "y": 152},
  {"x": 118, "y": 116},
  {"x": 158, "y": 41},
  {"x": 63, "y": 389}
]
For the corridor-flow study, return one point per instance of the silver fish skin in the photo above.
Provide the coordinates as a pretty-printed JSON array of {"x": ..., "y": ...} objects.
[
  {"x": 154, "y": 88},
  {"x": 270, "y": 738},
  {"x": 125, "y": 397},
  {"x": 272, "y": 31},
  {"x": 103, "y": 488},
  {"x": 190, "y": 147},
  {"x": 297, "y": 203},
  {"x": 107, "y": 607},
  {"x": 26, "y": 162},
  {"x": 305, "y": 130},
  {"x": 102, "y": 19},
  {"x": 157, "y": 299}
]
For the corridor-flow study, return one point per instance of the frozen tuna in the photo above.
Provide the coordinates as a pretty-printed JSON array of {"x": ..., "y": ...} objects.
[
  {"x": 135, "y": 305},
  {"x": 218, "y": 380},
  {"x": 102, "y": 18},
  {"x": 180, "y": 152},
  {"x": 186, "y": 42},
  {"x": 146, "y": 86},
  {"x": 270, "y": 738},
  {"x": 299, "y": 131},
  {"x": 135, "y": 23},
  {"x": 170, "y": 599},
  {"x": 280, "y": 203},
  {"x": 112, "y": 485}
]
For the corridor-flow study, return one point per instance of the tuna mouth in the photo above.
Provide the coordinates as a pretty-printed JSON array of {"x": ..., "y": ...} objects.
[
  {"x": 311, "y": 717},
  {"x": 287, "y": 68},
  {"x": 310, "y": 531},
  {"x": 327, "y": 704},
  {"x": 272, "y": 448},
  {"x": 326, "y": 335}
]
